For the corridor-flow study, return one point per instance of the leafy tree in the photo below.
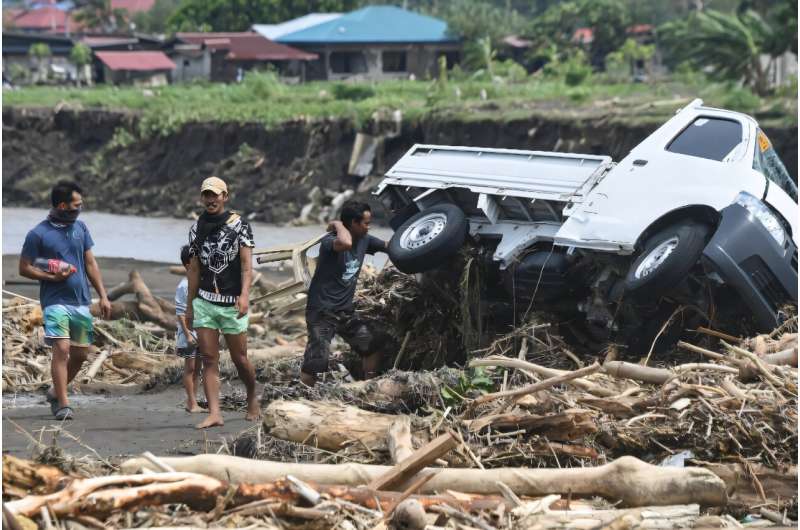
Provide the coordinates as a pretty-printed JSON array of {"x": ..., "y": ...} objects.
[
  {"x": 727, "y": 47},
  {"x": 608, "y": 20},
  {"x": 81, "y": 56},
  {"x": 626, "y": 57},
  {"x": 155, "y": 20},
  {"x": 240, "y": 15},
  {"x": 98, "y": 14},
  {"x": 40, "y": 56}
]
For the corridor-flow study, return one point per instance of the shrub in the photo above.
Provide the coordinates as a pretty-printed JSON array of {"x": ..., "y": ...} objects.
[{"x": 353, "y": 92}]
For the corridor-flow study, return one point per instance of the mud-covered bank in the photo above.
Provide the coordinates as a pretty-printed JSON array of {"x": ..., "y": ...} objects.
[{"x": 270, "y": 169}]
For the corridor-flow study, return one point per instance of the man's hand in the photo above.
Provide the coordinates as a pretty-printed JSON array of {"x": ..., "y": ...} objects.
[
  {"x": 333, "y": 226},
  {"x": 61, "y": 275},
  {"x": 243, "y": 305},
  {"x": 105, "y": 308},
  {"x": 191, "y": 340}
]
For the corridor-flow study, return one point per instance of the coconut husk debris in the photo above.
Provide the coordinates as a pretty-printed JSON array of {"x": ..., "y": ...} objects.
[{"x": 725, "y": 414}]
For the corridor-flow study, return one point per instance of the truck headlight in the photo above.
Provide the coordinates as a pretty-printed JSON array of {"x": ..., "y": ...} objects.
[{"x": 761, "y": 211}]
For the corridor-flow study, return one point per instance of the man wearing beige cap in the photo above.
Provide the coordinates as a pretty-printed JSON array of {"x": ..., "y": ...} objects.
[{"x": 221, "y": 248}]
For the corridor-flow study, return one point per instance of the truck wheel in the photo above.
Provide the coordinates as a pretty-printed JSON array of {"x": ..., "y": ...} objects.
[
  {"x": 427, "y": 239},
  {"x": 666, "y": 259}
]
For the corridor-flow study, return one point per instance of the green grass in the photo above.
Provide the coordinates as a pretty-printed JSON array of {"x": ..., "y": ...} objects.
[{"x": 261, "y": 98}]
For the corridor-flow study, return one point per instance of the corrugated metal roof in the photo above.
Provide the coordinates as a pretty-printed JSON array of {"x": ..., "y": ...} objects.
[
  {"x": 45, "y": 18},
  {"x": 247, "y": 46},
  {"x": 107, "y": 41},
  {"x": 275, "y": 31},
  {"x": 136, "y": 61},
  {"x": 374, "y": 24}
]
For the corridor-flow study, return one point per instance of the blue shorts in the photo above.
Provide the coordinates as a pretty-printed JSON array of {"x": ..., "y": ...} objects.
[{"x": 71, "y": 322}]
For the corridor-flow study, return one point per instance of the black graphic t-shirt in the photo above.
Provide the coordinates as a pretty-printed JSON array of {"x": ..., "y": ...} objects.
[
  {"x": 221, "y": 267},
  {"x": 336, "y": 275}
]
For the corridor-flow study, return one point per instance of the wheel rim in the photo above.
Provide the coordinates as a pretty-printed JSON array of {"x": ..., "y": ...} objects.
[
  {"x": 656, "y": 257},
  {"x": 423, "y": 231}
]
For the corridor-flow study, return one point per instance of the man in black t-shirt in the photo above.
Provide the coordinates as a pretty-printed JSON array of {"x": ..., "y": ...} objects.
[
  {"x": 221, "y": 249},
  {"x": 329, "y": 310}
]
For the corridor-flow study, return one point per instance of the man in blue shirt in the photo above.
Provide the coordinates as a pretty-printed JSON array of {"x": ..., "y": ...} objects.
[{"x": 64, "y": 295}]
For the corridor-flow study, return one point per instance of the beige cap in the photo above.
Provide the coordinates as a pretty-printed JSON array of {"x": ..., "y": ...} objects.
[{"x": 214, "y": 184}]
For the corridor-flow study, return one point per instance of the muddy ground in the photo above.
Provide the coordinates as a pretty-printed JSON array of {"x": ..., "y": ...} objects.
[{"x": 118, "y": 425}]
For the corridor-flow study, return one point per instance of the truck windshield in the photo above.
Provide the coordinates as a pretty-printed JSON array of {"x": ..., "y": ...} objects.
[{"x": 769, "y": 164}]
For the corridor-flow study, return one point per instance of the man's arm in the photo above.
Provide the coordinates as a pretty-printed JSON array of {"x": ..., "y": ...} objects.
[
  {"x": 344, "y": 240},
  {"x": 246, "y": 259},
  {"x": 193, "y": 274},
  {"x": 377, "y": 245},
  {"x": 93, "y": 272}
]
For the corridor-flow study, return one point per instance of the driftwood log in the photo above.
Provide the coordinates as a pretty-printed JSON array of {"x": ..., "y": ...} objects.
[
  {"x": 146, "y": 308},
  {"x": 571, "y": 424},
  {"x": 327, "y": 425},
  {"x": 101, "y": 496},
  {"x": 627, "y": 479},
  {"x": 22, "y": 477},
  {"x": 662, "y": 517}
]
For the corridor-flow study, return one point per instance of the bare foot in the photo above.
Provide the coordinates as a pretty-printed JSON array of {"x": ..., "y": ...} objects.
[
  {"x": 194, "y": 409},
  {"x": 253, "y": 411},
  {"x": 211, "y": 421}
]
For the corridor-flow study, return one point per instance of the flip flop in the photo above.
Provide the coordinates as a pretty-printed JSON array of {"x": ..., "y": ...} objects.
[
  {"x": 64, "y": 413},
  {"x": 52, "y": 401}
]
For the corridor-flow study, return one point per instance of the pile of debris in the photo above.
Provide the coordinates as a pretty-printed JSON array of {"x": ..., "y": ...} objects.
[
  {"x": 527, "y": 435},
  {"x": 128, "y": 356},
  {"x": 505, "y": 443}
]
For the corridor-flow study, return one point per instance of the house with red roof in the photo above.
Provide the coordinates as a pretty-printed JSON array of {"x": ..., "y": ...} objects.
[
  {"x": 225, "y": 57},
  {"x": 46, "y": 19},
  {"x": 151, "y": 68}
]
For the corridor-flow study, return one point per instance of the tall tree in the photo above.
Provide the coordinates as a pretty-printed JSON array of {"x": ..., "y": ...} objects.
[
  {"x": 155, "y": 20},
  {"x": 81, "y": 56},
  {"x": 40, "y": 54},
  {"x": 608, "y": 21},
  {"x": 730, "y": 47},
  {"x": 240, "y": 15},
  {"x": 99, "y": 15}
]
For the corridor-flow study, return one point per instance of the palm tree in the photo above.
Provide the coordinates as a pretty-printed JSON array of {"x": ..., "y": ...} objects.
[
  {"x": 81, "y": 57},
  {"x": 728, "y": 46}
]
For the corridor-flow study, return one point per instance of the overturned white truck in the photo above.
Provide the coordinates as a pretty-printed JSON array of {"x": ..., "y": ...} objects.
[{"x": 701, "y": 214}]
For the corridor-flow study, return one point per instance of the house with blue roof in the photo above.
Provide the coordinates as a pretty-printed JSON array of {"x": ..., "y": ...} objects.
[{"x": 375, "y": 42}]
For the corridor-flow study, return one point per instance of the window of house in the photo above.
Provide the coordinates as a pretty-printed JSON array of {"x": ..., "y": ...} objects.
[
  {"x": 394, "y": 61},
  {"x": 711, "y": 138},
  {"x": 348, "y": 63},
  {"x": 186, "y": 63}
]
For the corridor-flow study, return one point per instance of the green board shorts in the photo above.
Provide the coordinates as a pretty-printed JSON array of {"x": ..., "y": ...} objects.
[
  {"x": 220, "y": 317},
  {"x": 73, "y": 322}
]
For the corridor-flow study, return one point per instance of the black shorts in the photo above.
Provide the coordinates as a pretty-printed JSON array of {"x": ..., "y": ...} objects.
[
  {"x": 190, "y": 352},
  {"x": 322, "y": 325}
]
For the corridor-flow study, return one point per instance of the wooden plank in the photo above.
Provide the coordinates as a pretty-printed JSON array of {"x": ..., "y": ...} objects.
[
  {"x": 281, "y": 292},
  {"x": 421, "y": 458}
]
